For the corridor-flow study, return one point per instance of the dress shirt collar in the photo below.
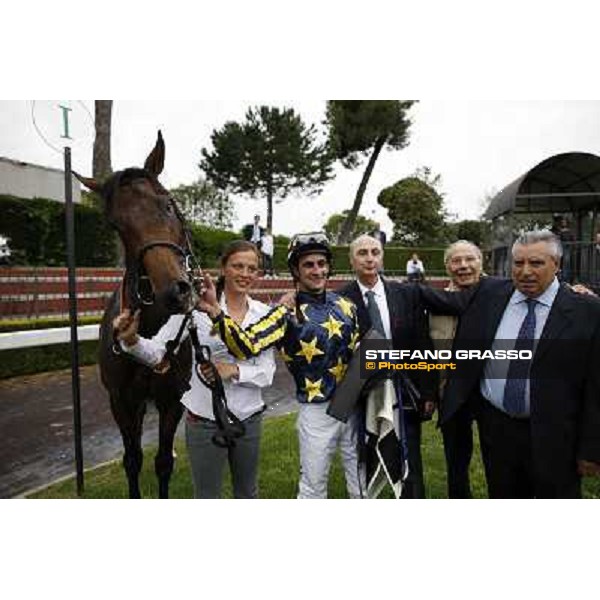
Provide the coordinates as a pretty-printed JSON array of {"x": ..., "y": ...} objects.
[
  {"x": 546, "y": 298},
  {"x": 254, "y": 306},
  {"x": 378, "y": 289}
]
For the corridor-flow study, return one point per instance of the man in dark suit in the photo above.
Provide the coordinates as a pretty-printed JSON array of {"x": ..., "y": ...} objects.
[
  {"x": 463, "y": 263},
  {"x": 253, "y": 232},
  {"x": 404, "y": 322},
  {"x": 540, "y": 428}
]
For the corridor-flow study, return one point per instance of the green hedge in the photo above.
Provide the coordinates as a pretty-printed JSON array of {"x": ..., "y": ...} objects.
[
  {"x": 395, "y": 259},
  {"x": 26, "y": 361},
  {"x": 45, "y": 323},
  {"x": 209, "y": 243},
  {"x": 36, "y": 228}
]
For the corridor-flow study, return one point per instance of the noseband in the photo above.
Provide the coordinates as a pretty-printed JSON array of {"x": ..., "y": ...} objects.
[{"x": 139, "y": 282}]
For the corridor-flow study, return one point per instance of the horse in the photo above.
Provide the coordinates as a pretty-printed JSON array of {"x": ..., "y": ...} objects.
[{"x": 158, "y": 266}]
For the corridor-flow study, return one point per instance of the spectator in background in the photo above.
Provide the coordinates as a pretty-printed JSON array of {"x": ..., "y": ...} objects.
[
  {"x": 254, "y": 232},
  {"x": 596, "y": 259},
  {"x": 415, "y": 271},
  {"x": 562, "y": 230},
  {"x": 5, "y": 252},
  {"x": 266, "y": 247}
]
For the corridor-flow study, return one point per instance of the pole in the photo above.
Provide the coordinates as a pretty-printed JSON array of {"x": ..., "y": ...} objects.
[{"x": 70, "y": 230}]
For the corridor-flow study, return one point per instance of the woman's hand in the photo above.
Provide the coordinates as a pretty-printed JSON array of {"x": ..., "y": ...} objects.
[
  {"x": 207, "y": 300},
  {"x": 126, "y": 326}
]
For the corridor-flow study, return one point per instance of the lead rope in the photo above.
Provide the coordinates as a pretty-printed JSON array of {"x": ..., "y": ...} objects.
[{"x": 229, "y": 427}]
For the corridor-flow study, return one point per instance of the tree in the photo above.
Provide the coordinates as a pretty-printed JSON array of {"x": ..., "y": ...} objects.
[
  {"x": 472, "y": 230},
  {"x": 416, "y": 208},
  {"x": 202, "y": 203},
  {"x": 101, "y": 167},
  {"x": 357, "y": 127},
  {"x": 270, "y": 154},
  {"x": 333, "y": 227}
]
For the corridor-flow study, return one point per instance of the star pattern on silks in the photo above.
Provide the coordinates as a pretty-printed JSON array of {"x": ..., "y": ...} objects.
[
  {"x": 286, "y": 357},
  {"x": 333, "y": 326},
  {"x": 309, "y": 350},
  {"x": 313, "y": 389},
  {"x": 339, "y": 370},
  {"x": 346, "y": 306}
]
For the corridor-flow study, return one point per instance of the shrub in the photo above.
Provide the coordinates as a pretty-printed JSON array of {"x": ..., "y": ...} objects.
[
  {"x": 45, "y": 323},
  {"x": 36, "y": 228},
  {"x": 26, "y": 361}
]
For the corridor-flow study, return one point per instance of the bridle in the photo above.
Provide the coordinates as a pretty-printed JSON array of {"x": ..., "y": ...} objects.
[{"x": 136, "y": 290}]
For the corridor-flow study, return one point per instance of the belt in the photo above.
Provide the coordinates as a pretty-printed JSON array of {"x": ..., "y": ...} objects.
[{"x": 194, "y": 418}]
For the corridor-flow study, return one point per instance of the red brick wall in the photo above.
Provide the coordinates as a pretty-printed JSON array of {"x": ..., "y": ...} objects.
[{"x": 43, "y": 291}]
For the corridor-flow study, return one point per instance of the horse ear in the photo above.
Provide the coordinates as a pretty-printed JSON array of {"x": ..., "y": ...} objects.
[
  {"x": 89, "y": 182},
  {"x": 156, "y": 159}
]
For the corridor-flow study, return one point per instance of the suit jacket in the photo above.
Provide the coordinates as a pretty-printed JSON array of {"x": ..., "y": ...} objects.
[
  {"x": 408, "y": 325},
  {"x": 248, "y": 229},
  {"x": 564, "y": 377}
]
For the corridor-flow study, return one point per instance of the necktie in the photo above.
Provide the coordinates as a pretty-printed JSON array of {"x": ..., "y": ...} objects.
[
  {"x": 374, "y": 313},
  {"x": 518, "y": 371}
]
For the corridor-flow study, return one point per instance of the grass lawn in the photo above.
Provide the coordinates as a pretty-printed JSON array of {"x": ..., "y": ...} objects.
[{"x": 279, "y": 469}]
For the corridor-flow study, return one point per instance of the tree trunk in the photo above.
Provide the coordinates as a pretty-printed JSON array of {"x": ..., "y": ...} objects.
[
  {"x": 348, "y": 224},
  {"x": 101, "y": 167},
  {"x": 270, "y": 210}
]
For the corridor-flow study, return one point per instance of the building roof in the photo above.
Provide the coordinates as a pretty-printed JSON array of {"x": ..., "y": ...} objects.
[
  {"x": 21, "y": 163},
  {"x": 563, "y": 183}
]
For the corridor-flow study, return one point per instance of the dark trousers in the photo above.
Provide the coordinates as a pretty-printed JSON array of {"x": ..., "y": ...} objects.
[
  {"x": 512, "y": 472},
  {"x": 457, "y": 434},
  {"x": 267, "y": 264},
  {"x": 414, "y": 486}
]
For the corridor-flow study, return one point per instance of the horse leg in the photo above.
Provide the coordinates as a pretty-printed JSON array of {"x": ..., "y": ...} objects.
[
  {"x": 170, "y": 411},
  {"x": 129, "y": 412}
]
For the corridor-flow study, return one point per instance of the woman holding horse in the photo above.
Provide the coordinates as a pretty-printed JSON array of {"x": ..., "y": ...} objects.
[{"x": 242, "y": 379}]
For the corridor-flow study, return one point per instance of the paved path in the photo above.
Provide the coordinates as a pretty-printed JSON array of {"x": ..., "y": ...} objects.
[{"x": 36, "y": 426}]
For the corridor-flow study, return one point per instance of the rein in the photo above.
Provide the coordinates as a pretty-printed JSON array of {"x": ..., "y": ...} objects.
[{"x": 228, "y": 425}]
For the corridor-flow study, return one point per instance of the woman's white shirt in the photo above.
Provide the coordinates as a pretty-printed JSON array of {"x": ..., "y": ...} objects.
[{"x": 244, "y": 396}]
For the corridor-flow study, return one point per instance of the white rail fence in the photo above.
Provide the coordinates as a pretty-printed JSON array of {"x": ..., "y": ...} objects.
[{"x": 46, "y": 337}]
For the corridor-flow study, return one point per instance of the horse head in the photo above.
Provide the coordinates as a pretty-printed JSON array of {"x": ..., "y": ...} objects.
[{"x": 153, "y": 232}]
